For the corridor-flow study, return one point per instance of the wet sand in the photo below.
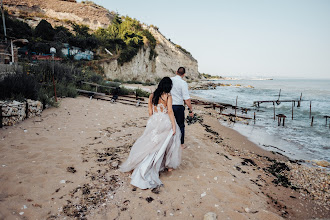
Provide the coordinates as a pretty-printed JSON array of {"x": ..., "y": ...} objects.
[{"x": 64, "y": 164}]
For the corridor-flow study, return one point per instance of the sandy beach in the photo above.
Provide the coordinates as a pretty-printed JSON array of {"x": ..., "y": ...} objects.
[{"x": 64, "y": 165}]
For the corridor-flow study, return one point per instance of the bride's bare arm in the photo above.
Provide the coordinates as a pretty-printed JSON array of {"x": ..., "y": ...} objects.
[
  {"x": 150, "y": 104},
  {"x": 170, "y": 113}
]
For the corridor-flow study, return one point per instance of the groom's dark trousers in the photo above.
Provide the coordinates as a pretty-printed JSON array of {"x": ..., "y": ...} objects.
[{"x": 178, "y": 111}]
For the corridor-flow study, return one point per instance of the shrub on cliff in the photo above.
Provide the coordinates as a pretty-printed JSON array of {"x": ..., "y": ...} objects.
[{"x": 125, "y": 37}]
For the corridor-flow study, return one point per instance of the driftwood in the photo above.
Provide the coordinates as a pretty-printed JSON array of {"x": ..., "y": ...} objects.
[{"x": 237, "y": 116}]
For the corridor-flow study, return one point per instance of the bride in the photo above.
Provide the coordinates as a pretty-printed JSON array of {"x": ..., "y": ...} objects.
[{"x": 159, "y": 146}]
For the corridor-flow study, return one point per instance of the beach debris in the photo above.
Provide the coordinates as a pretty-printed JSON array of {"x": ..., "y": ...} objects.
[
  {"x": 24, "y": 207},
  {"x": 21, "y": 213},
  {"x": 149, "y": 199},
  {"x": 62, "y": 181},
  {"x": 37, "y": 205},
  {"x": 215, "y": 178},
  {"x": 248, "y": 162},
  {"x": 280, "y": 171},
  {"x": 247, "y": 210},
  {"x": 71, "y": 169},
  {"x": 203, "y": 194},
  {"x": 210, "y": 216}
]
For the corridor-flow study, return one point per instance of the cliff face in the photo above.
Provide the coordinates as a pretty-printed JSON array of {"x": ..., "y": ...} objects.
[
  {"x": 59, "y": 13},
  {"x": 169, "y": 59}
]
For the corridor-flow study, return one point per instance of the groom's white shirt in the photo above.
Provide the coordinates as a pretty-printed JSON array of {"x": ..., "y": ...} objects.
[{"x": 179, "y": 90}]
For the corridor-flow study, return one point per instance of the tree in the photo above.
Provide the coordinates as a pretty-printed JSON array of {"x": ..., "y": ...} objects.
[
  {"x": 44, "y": 30},
  {"x": 81, "y": 30}
]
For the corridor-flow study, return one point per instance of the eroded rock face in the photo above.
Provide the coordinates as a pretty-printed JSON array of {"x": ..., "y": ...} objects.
[
  {"x": 169, "y": 59},
  {"x": 59, "y": 12}
]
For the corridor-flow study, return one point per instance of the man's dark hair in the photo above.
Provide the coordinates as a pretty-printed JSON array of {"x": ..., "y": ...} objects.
[{"x": 181, "y": 71}]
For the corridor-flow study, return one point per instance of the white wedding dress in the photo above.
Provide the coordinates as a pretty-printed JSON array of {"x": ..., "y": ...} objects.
[{"x": 154, "y": 151}]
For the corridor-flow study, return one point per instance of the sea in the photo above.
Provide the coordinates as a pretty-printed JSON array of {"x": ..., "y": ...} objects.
[{"x": 297, "y": 139}]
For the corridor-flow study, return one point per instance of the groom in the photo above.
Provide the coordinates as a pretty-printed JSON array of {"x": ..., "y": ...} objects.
[{"x": 180, "y": 95}]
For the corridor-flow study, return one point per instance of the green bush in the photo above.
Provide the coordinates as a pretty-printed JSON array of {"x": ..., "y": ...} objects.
[
  {"x": 126, "y": 91},
  {"x": 142, "y": 93},
  {"x": 19, "y": 86}
]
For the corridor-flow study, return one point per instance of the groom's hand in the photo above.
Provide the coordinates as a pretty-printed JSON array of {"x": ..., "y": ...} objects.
[{"x": 191, "y": 114}]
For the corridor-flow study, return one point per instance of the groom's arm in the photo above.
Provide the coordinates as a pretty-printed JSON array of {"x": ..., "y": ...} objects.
[
  {"x": 187, "y": 99},
  {"x": 188, "y": 103}
]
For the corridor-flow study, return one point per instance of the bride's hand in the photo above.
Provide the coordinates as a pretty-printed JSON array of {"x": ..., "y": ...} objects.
[{"x": 174, "y": 130}]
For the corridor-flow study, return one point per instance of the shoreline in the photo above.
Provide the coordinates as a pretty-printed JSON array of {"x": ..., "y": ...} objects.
[
  {"x": 63, "y": 166},
  {"x": 293, "y": 140}
]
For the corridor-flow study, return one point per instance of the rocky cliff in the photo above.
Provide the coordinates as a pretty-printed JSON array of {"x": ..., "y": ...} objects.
[
  {"x": 141, "y": 68},
  {"x": 168, "y": 60},
  {"x": 59, "y": 12}
]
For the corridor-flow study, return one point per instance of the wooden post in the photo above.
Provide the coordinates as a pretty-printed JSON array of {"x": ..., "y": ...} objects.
[
  {"x": 292, "y": 110},
  {"x": 236, "y": 106},
  {"x": 279, "y": 95},
  {"x": 26, "y": 109},
  {"x": 312, "y": 121},
  {"x": 274, "y": 110},
  {"x": 283, "y": 120},
  {"x": 298, "y": 105},
  {"x": 279, "y": 120},
  {"x": 254, "y": 117},
  {"x": 0, "y": 116},
  {"x": 213, "y": 106},
  {"x": 326, "y": 121}
]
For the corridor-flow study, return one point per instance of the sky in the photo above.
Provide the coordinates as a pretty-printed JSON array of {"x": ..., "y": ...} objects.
[{"x": 243, "y": 38}]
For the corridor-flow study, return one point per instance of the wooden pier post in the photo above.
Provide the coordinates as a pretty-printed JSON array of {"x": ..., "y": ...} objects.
[
  {"x": 274, "y": 110},
  {"x": 254, "y": 117},
  {"x": 312, "y": 121},
  {"x": 283, "y": 120},
  {"x": 279, "y": 95},
  {"x": 310, "y": 109},
  {"x": 292, "y": 110},
  {"x": 213, "y": 105},
  {"x": 298, "y": 105},
  {"x": 326, "y": 120},
  {"x": 236, "y": 106}
]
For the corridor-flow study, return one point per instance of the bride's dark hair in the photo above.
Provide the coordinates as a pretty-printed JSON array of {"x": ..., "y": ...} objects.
[{"x": 164, "y": 86}]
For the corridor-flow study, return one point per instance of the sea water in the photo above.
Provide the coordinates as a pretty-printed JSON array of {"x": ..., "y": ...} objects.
[{"x": 297, "y": 139}]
